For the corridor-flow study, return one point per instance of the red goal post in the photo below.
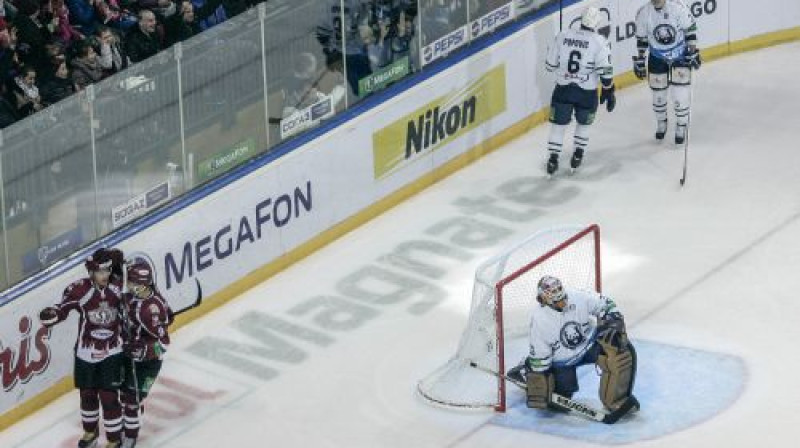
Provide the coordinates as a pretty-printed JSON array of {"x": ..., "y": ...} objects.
[{"x": 498, "y": 325}]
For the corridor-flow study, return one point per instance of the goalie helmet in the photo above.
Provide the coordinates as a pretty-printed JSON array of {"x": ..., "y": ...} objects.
[
  {"x": 591, "y": 18},
  {"x": 551, "y": 292}
]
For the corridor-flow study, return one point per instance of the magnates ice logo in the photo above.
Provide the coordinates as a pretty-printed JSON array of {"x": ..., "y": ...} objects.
[
  {"x": 26, "y": 358},
  {"x": 200, "y": 254}
]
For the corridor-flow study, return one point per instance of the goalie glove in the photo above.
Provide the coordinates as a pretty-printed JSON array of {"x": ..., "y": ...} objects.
[
  {"x": 640, "y": 66},
  {"x": 693, "y": 58},
  {"x": 611, "y": 331}
]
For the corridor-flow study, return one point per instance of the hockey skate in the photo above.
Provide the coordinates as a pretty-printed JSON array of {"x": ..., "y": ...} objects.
[
  {"x": 552, "y": 165},
  {"x": 577, "y": 159},
  {"x": 680, "y": 134},
  {"x": 661, "y": 130},
  {"x": 128, "y": 442},
  {"x": 115, "y": 444},
  {"x": 88, "y": 440}
]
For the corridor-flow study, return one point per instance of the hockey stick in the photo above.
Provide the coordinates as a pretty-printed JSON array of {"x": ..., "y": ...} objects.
[
  {"x": 568, "y": 404},
  {"x": 688, "y": 136},
  {"x": 196, "y": 303}
]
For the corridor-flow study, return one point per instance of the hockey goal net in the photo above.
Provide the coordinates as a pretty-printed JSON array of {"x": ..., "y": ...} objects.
[{"x": 496, "y": 336}]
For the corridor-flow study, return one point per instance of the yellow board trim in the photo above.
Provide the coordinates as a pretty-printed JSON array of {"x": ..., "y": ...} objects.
[{"x": 323, "y": 239}]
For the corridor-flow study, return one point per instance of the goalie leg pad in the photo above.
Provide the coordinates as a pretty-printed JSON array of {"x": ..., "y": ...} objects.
[
  {"x": 619, "y": 373},
  {"x": 540, "y": 387}
]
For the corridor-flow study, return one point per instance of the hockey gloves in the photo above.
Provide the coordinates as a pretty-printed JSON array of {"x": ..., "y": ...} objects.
[
  {"x": 693, "y": 58},
  {"x": 607, "y": 96},
  {"x": 49, "y": 316},
  {"x": 640, "y": 66}
]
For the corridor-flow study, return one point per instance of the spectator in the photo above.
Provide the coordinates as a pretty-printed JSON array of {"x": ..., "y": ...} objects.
[
  {"x": 187, "y": 22},
  {"x": 142, "y": 41},
  {"x": 110, "y": 13},
  {"x": 215, "y": 18},
  {"x": 330, "y": 36},
  {"x": 8, "y": 52},
  {"x": 59, "y": 85},
  {"x": 58, "y": 22},
  {"x": 112, "y": 59},
  {"x": 24, "y": 92},
  {"x": 32, "y": 35},
  {"x": 83, "y": 15},
  {"x": 85, "y": 66},
  {"x": 8, "y": 113},
  {"x": 403, "y": 35},
  {"x": 163, "y": 9}
]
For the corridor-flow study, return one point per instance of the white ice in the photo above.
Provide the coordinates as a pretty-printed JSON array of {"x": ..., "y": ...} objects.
[{"x": 713, "y": 267}]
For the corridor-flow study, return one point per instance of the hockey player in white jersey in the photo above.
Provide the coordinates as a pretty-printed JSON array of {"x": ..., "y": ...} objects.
[
  {"x": 668, "y": 31},
  {"x": 571, "y": 328},
  {"x": 580, "y": 59}
]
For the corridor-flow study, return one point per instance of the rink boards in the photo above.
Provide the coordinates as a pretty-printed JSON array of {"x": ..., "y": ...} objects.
[{"x": 233, "y": 233}]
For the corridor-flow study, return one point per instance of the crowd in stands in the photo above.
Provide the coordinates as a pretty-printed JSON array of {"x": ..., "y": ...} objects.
[{"x": 49, "y": 49}]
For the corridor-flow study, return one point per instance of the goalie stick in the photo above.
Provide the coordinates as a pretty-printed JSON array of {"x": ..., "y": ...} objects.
[{"x": 568, "y": 404}]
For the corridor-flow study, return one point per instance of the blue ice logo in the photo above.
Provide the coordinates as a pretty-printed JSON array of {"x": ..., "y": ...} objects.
[{"x": 657, "y": 388}]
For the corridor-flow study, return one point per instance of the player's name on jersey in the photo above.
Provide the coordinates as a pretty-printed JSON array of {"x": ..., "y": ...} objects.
[
  {"x": 307, "y": 118},
  {"x": 577, "y": 43}
]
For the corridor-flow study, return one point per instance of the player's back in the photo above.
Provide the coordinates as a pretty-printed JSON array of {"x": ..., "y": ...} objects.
[{"x": 580, "y": 57}]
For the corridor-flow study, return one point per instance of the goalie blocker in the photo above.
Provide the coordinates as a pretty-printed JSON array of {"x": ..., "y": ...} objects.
[{"x": 563, "y": 338}]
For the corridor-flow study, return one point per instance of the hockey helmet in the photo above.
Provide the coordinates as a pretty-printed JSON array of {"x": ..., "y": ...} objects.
[
  {"x": 100, "y": 260},
  {"x": 591, "y": 18},
  {"x": 140, "y": 273},
  {"x": 551, "y": 291}
]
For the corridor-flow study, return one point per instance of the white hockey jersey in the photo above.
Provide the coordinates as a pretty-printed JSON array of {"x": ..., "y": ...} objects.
[
  {"x": 580, "y": 57},
  {"x": 666, "y": 29},
  {"x": 561, "y": 338}
]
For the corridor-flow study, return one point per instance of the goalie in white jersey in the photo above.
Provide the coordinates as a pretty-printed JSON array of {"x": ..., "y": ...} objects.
[
  {"x": 581, "y": 60},
  {"x": 667, "y": 29},
  {"x": 571, "y": 328}
]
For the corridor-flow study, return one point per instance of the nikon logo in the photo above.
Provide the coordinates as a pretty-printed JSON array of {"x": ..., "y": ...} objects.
[
  {"x": 439, "y": 122},
  {"x": 436, "y": 125}
]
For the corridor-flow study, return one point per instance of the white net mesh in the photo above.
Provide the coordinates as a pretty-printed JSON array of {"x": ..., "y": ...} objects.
[{"x": 567, "y": 253}]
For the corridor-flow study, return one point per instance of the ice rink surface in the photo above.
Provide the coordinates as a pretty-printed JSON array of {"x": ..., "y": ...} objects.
[{"x": 328, "y": 353}]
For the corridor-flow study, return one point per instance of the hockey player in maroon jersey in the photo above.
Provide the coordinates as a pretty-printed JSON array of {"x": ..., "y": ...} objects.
[
  {"x": 147, "y": 318},
  {"x": 98, "y": 349}
]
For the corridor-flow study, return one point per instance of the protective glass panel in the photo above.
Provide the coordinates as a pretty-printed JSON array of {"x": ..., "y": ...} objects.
[
  {"x": 137, "y": 138},
  {"x": 223, "y": 97},
  {"x": 443, "y": 28},
  {"x": 305, "y": 73},
  {"x": 380, "y": 44},
  {"x": 50, "y": 209}
]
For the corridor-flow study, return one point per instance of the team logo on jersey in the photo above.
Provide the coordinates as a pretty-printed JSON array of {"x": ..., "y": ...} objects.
[
  {"x": 665, "y": 34},
  {"x": 103, "y": 316},
  {"x": 571, "y": 335}
]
